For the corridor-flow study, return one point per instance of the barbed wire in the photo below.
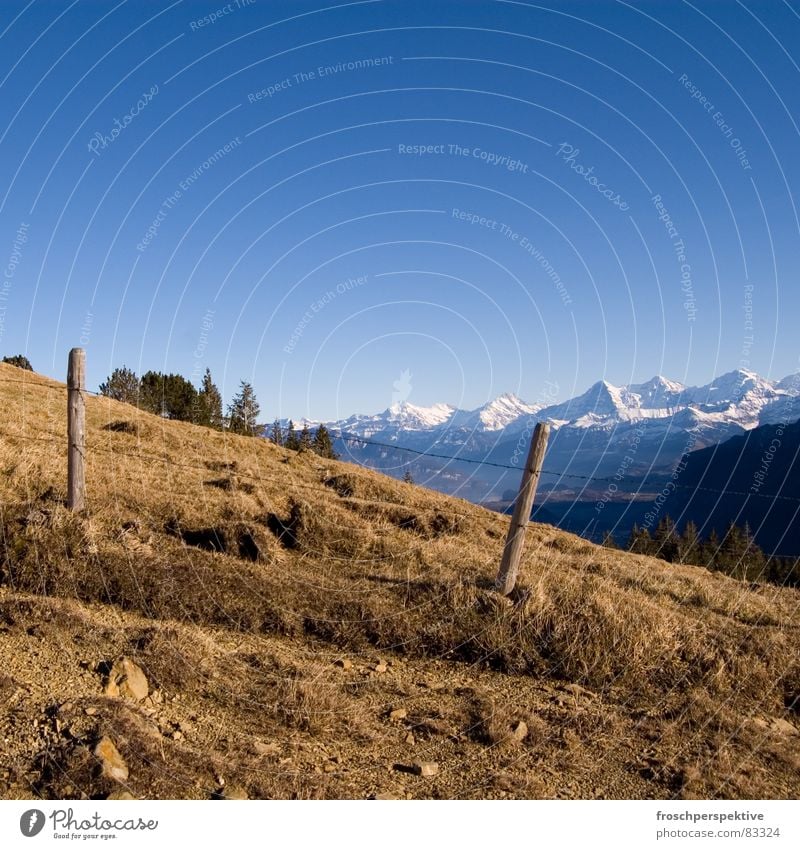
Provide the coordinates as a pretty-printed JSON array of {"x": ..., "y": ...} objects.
[
  {"x": 355, "y": 437},
  {"x": 346, "y": 436}
]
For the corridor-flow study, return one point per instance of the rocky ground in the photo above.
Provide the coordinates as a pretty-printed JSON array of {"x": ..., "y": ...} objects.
[{"x": 97, "y": 703}]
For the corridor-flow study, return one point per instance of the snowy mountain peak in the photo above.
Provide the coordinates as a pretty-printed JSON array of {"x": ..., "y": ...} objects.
[
  {"x": 658, "y": 393},
  {"x": 410, "y": 416},
  {"x": 790, "y": 383},
  {"x": 502, "y": 411},
  {"x": 734, "y": 386}
]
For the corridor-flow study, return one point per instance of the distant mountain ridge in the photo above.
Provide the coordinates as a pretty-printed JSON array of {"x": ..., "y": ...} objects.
[
  {"x": 608, "y": 430},
  {"x": 739, "y": 397}
]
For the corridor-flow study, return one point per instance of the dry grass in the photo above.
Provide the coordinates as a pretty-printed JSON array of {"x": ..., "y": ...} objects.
[{"x": 199, "y": 527}]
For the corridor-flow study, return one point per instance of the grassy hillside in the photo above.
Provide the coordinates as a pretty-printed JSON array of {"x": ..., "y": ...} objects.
[{"x": 311, "y": 629}]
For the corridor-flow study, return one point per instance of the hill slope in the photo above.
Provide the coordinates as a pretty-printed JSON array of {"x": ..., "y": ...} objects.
[
  {"x": 309, "y": 628},
  {"x": 759, "y": 472}
]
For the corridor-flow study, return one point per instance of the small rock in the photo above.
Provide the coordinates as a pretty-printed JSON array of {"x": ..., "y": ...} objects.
[
  {"x": 90, "y": 711},
  {"x": 427, "y": 769},
  {"x": 329, "y": 767},
  {"x": 410, "y": 739},
  {"x": 783, "y": 725},
  {"x": 111, "y": 760},
  {"x": 261, "y": 748},
  {"x": 177, "y": 735},
  {"x": 343, "y": 663},
  {"x": 127, "y": 680},
  {"x": 380, "y": 667},
  {"x": 234, "y": 793},
  {"x": 398, "y": 714},
  {"x": 520, "y": 731}
]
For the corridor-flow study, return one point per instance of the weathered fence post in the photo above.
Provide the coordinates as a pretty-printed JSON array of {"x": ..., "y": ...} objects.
[
  {"x": 512, "y": 552},
  {"x": 76, "y": 430}
]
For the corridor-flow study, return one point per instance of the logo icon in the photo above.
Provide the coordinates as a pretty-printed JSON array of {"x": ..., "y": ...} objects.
[
  {"x": 31, "y": 822},
  {"x": 402, "y": 387}
]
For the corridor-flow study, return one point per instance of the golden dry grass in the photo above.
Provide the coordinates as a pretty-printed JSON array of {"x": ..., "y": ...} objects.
[{"x": 194, "y": 527}]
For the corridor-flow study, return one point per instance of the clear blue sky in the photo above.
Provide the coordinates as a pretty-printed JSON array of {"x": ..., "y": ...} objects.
[{"x": 128, "y": 227}]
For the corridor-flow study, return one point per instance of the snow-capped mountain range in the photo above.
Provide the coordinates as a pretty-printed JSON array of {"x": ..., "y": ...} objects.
[
  {"x": 739, "y": 398},
  {"x": 650, "y": 424},
  {"x": 403, "y": 416}
]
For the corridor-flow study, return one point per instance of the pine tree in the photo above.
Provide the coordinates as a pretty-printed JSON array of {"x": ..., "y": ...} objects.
[
  {"x": 784, "y": 571},
  {"x": 609, "y": 541},
  {"x": 243, "y": 411},
  {"x": 276, "y": 432},
  {"x": 168, "y": 395},
  {"x": 291, "y": 442},
  {"x": 151, "y": 393},
  {"x": 323, "y": 444},
  {"x": 689, "y": 545},
  {"x": 407, "y": 476},
  {"x": 710, "y": 551},
  {"x": 732, "y": 551},
  {"x": 121, "y": 385},
  {"x": 639, "y": 541},
  {"x": 306, "y": 442},
  {"x": 665, "y": 540},
  {"x": 209, "y": 403},
  {"x": 753, "y": 560}
]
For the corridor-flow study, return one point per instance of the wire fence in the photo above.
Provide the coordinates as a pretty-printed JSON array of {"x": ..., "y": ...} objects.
[{"x": 48, "y": 436}]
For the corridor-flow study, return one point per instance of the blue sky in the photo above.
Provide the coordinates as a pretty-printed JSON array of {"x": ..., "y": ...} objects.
[{"x": 494, "y": 196}]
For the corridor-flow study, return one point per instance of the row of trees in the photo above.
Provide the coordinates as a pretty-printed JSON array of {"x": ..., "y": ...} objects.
[
  {"x": 174, "y": 397},
  {"x": 735, "y": 553},
  {"x": 20, "y": 361},
  {"x": 303, "y": 440}
]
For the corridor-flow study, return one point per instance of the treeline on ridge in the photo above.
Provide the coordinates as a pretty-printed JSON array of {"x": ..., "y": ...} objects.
[
  {"x": 735, "y": 553},
  {"x": 172, "y": 396}
]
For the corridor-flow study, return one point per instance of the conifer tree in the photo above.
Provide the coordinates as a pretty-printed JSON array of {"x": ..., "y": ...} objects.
[
  {"x": 665, "y": 540},
  {"x": 121, "y": 385},
  {"x": 609, "y": 541},
  {"x": 639, "y": 541},
  {"x": 276, "y": 432},
  {"x": 753, "y": 560},
  {"x": 168, "y": 395},
  {"x": 306, "y": 442},
  {"x": 243, "y": 411},
  {"x": 732, "y": 550},
  {"x": 209, "y": 403},
  {"x": 291, "y": 442},
  {"x": 20, "y": 361},
  {"x": 710, "y": 551},
  {"x": 323, "y": 444},
  {"x": 407, "y": 476},
  {"x": 689, "y": 545}
]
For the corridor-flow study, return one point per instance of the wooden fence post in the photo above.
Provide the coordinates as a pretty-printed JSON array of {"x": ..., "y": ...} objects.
[
  {"x": 76, "y": 430},
  {"x": 512, "y": 552}
]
